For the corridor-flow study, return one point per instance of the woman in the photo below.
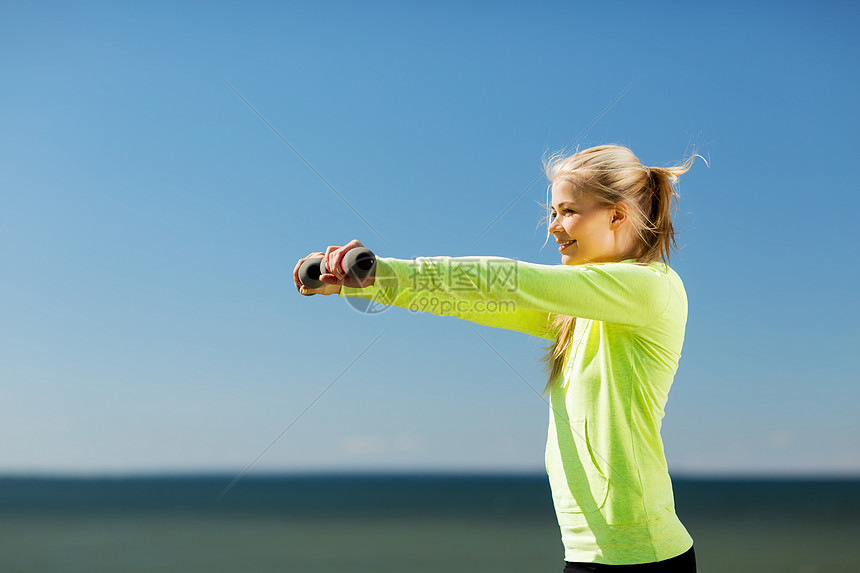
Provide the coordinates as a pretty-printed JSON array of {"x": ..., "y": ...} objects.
[{"x": 615, "y": 314}]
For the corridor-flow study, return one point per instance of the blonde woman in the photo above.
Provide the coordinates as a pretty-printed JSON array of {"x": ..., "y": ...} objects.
[{"x": 614, "y": 313}]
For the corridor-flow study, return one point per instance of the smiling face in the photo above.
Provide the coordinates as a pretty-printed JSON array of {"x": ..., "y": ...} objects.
[{"x": 588, "y": 231}]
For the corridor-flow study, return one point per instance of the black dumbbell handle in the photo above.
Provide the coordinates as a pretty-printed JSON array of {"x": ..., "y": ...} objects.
[{"x": 357, "y": 263}]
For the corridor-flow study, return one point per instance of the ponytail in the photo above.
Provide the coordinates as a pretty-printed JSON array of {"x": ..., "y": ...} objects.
[{"x": 658, "y": 234}]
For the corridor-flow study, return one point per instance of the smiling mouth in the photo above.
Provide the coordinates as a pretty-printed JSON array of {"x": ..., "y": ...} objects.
[{"x": 565, "y": 244}]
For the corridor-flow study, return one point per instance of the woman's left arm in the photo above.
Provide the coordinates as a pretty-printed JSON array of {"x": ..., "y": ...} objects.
[{"x": 493, "y": 313}]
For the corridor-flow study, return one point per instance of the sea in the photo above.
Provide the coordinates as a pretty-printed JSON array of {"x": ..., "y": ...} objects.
[{"x": 394, "y": 523}]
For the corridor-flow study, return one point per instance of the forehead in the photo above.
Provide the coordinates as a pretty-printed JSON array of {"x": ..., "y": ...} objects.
[{"x": 568, "y": 190}]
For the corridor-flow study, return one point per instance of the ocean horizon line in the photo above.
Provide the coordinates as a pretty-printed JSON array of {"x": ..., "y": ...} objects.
[{"x": 215, "y": 474}]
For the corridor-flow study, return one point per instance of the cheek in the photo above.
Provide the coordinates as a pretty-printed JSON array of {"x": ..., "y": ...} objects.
[
  {"x": 592, "y": 234},
  {"x": 573, "y": 225},
  {"x": 581, "y": 229}
]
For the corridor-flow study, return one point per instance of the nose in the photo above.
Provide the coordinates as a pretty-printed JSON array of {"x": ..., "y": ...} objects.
[{"x": 554, "y": 225}]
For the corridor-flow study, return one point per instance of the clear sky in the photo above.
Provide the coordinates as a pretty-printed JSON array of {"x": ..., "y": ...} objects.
[{"x": 150, "y": 222}]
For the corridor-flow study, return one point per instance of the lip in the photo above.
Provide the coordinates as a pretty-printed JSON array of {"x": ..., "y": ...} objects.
[{"x": 562, "y": 247}]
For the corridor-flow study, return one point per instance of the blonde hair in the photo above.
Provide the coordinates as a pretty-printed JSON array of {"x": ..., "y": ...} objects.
[{"x": 612, "y": 174}]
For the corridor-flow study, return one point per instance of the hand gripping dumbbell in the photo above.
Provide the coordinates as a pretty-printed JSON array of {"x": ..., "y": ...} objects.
[{"x": 356, "y": 264}]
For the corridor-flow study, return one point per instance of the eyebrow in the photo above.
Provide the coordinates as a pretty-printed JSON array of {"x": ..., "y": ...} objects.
[{"x": 564, "y": 203}]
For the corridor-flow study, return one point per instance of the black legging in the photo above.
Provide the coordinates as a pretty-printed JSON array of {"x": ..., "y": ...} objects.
[{"x": 683, "y": 563}]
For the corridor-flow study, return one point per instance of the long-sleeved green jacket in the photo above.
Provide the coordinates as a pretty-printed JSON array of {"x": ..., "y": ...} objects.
[{"x": 604, "y": 453}]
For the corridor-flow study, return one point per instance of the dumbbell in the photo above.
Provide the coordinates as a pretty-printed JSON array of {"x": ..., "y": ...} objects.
[{"x": 356, "y": 264}]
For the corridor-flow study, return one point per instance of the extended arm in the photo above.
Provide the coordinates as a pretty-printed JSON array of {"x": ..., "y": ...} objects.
[
  {"x": 524, "y": 294},
  {"x": 498, "y": 314}
]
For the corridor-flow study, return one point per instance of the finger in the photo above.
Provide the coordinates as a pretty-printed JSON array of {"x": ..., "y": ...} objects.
[
  {"x": 326, "y": 259},
  {"x": 341, "y": 253},
  {"x": 331, "y": 279},
  {"x": 338, "y": 262},
  {"x": 333, "y": 256},
  {"x": 353, "y": 244},
  {"x": 296, "y": 273}
]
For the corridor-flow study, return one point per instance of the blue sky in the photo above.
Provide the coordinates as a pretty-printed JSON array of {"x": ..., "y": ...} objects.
[{"x": 150, "y": 222}]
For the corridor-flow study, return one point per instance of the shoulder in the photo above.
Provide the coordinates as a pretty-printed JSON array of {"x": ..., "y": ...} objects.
[
  {"x": 655, "y": 270},
  {"x": 668, "y": 274},
  {"x": 632, "y": 272},
  {"x": 672, "y": 289},
  {"x": 655, "y": 285}
]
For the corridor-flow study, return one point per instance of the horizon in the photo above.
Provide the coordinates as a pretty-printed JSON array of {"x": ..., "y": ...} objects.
[{"x": 402, "y": 473}]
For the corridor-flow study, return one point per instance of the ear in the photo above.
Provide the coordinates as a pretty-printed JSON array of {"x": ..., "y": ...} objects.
[{"x": 618, "y": 216}]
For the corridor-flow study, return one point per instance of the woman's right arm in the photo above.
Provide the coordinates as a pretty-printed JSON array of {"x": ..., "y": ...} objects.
[
  {"x": 621, "y": 293},
  {"x": 494, "y": 313}
]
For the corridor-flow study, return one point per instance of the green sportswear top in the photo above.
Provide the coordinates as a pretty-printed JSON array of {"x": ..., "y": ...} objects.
[{"x": 604, "y": 454}]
